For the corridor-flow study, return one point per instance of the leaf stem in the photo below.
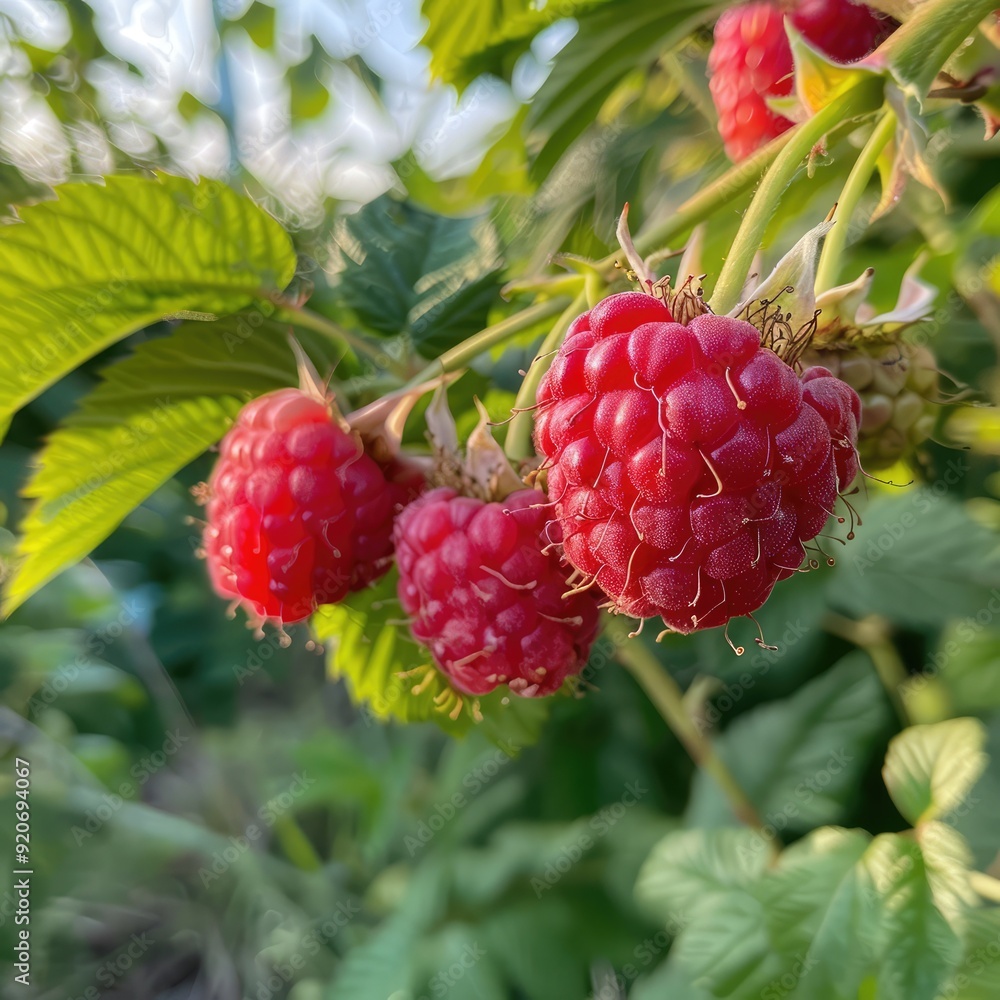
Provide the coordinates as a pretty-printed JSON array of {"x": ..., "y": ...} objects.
[
  {"x": 518, "y": 442},
  {"x": 828, "y": 270},
  {"x": 859, "y": 100},
  {"x": 309, "y": 320},
  {"x": 737, "y": 179},
  {"x": 664, "y": 693},
  {"x": 460, "y": 355}
]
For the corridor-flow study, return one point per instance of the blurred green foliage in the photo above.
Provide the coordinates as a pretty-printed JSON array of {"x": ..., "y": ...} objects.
[{"x": 212, "y": 815}]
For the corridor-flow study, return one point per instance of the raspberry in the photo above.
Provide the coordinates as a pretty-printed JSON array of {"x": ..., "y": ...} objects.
[
  {"x": 298, "y": 514},
  {"x": 897, "y": 383},
  {"x": 486, "y": 593},
  {"x": 751, "y": 60},
  {"x": 687, "y": 464}
]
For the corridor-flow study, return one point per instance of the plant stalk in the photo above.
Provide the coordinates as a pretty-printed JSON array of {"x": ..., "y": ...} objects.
[
  {"x": 462, "y": 354},
  {"x": 828, "y": 270},
  {"x": 518, "y": 442},
  {"x": 859, "y": 100},
  {"x": 737, "y": 179},
  {"x": 309, "y": 320},
  {"x": 664, "y": 693}
]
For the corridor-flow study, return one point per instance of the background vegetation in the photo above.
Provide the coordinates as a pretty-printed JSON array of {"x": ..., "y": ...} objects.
[{"x": 214, "y": 816}]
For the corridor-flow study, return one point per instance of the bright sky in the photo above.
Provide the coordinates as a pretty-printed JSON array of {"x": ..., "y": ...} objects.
[{"x": 345, "y": 152}]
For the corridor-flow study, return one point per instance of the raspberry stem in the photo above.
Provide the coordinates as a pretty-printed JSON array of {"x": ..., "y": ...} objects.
[
  {"x": 828, "y": 270},
  {"x": 861, "y": 99},
  {"x": 309, "y": 320},
  {"x": 462, "y": 354},
  {"x": 518, "y": 443},
  {"x": 664, "y": 693}
]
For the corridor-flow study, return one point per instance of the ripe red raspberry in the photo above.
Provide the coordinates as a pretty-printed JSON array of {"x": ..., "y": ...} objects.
[
  {"x": 687, "y": 465},
  {"x": 298, "y": 514},
  {"x": 486, "y": 593},
  {"x": 751, "y": 60}
]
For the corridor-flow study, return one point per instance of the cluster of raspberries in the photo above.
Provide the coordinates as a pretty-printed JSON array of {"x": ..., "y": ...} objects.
[
  {"x": 751, "y": 59},
  {"x": 687, "y": 468}
]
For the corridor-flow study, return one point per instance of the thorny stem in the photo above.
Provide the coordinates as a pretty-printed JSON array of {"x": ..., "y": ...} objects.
[
  {"x": 664, "y": 693},
  {"x": 872, "y": 634},
  {"x": 518, "y": 443},
  {"x": 309, "y": 320},
  {"x": 859, "y": 100},
  {"x": 828, "y": 270},
  {"x": 462, "y": 354},
  {"x": 737, "y": 179}
]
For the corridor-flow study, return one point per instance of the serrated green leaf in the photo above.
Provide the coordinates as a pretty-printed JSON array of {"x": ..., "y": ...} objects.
[
  {"x": 948, "y": 860},
  {"x": 800, "y": 760},
  {"x": 918, "y": 948},
  {"x": 392, "y": 676},
  {"x": 696, "y": 868},
  {"x": 929, "y": 770},
  {"x": 151, "y": 415},
  {"x": 101, "y": 261},
  {"x": 919, "y": 559},
  {"x": 383, "y": 963},
  {"x": 406, "y": 271}
]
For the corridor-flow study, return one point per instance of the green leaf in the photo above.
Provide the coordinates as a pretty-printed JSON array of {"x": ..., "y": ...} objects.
[
  {"x": 966, "y": 659},
  {"x": 917, "y": 946},
  {"x": 392, "y": 676},
  {"x": 309, "y": 96},
  {"x": 692, "y": 869},
  {"x": 406, "y": 271},
  {"x": 258, "y": 22},
  {"x": 101, "y": 261},
  {"x": 612, "y": 41},
  {"x": 383, "y": 963},
  {"x": 921, "y": 48},
  {"x": 800, "y": 760},
  {"x": 977, "y": 975},
  {"x": 469, "y": 39},
  {"x": 152, "y": 414},
  {"x": 929, "y": 770},
  {"x": 919, "y": 559}
]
